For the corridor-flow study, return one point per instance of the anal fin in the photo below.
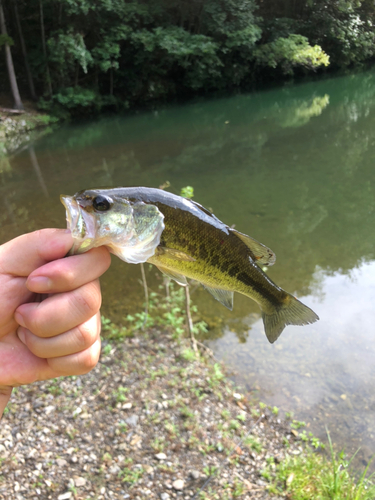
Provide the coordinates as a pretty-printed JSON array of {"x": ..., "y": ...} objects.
[{"x": 225, "y": 297}]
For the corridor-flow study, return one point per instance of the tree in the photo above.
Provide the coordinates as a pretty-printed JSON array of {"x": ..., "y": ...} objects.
[
  {"x": 7, "y": 41},
  {"x": 24, "y": 52}
]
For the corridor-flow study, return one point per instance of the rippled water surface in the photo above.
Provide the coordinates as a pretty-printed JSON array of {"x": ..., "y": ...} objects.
[{"x": 294, "y": 168}]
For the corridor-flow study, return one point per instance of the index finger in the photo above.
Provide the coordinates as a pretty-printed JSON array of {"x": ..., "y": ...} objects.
[{"x": 20, "y": 256}]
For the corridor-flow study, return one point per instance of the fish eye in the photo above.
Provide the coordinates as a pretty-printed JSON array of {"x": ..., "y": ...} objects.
[{"x": 101, "y": 203}]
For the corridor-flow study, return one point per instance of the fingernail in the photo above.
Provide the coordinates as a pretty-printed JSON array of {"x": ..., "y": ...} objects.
[
  {"x": 19, "y": 318},
  {"x": 39, "y": 284},
  {"x": 21, "y": 335}
]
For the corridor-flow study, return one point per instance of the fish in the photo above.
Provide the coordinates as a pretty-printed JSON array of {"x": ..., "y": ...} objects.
[{"x": 184, "y": 241}]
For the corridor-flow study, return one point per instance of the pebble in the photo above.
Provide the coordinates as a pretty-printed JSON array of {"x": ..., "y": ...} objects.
[
  {"x": 161, "y": 456},
  {"x": 79, "y": 481},
  {"x": 61, "y": 462},
  {"x": 132, "y": 420},
  {"x": 65, "y": 496},
  {"x": 195, "y": 474},
  {"x": 178, "y": 484},
  {"x": 114, "y": 469},
  {"x": 164, "y": 496}
]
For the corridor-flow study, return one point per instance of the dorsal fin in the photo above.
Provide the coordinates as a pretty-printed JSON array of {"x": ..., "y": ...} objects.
[{"x": 261, "y": 254}]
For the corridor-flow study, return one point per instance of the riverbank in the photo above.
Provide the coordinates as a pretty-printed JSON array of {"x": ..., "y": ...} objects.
[
  {"x": 19, "y": 129},
  {"x": 152, "y": 420}
]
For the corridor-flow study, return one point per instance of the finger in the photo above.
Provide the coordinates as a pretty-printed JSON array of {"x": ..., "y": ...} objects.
[
  {"x": 67, "y": 274},
  {"x": 61, "y": 312},
  {"x": 22, "y": 255},
  {"x": 5, "y": 393},
  {"x": 71, "y": 342},
  {"x": 77, "y": 364}
]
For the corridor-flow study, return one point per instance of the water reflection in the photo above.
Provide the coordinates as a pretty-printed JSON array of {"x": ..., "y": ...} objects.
[
  {"x": 293, "y": 168},
  {"x": 325, "y": 372}
]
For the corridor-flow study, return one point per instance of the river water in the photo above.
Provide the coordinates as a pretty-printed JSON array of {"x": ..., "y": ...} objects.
[{"x": 293, "y": 168}]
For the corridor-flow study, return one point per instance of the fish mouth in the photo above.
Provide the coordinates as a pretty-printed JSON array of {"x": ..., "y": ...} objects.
[
  {"x": 73, "y": 214},
  {"x": 80, "y": 224}
]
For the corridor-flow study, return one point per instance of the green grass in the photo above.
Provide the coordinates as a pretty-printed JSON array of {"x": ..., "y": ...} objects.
[{"x": 311, "y": 476}]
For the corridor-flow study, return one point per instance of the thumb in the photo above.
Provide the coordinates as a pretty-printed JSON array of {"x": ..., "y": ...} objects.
[{"x": 5, "y": 392}]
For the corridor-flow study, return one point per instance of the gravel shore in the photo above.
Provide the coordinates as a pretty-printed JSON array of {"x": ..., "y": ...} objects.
[{"x": 151, "y": 421}]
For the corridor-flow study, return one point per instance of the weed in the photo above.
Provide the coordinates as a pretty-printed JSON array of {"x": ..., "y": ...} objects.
[
  {"x": 158, "y": 444},
  {"x": 311, "y": 476},
  {"x": 186, "y": 412},
  {"x": 275, "y": 410},
  {"x": 119, "y": 394},
  {"x": 234, "y": 425},
  {"x": 130, "y": 476},
  {"x": 253, "y": 443},
  {"x": 297, "y": 424},
  {"x": 210, "y": 470},
  {"x": 225, "y": 414},
  {"x": 188, "y": 355}
]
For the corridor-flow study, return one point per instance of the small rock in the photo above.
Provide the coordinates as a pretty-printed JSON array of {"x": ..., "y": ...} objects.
[
  {"x": 178, "y": 484},
  {"x": 195, "y": 474},
  {"x": 80, "y": 481},
  {"x": 114, "y": 469},
  {"x": 164, "y": 496},
  {"x": 161, "y": 456},
  {"x": 132, "y": 420},
  {"x": 236, "y": 395},
  {"x": 126, "y": 406},
  {"x": 49, "y": 409},
  {"x": 61, "y": 462},
  {"x": 65, "y": 496}
]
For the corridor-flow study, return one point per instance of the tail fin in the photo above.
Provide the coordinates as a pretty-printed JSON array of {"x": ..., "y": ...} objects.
[{"x": 292, "y": 312}]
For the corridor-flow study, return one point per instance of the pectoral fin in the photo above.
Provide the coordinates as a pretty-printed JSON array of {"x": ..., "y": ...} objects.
[
  {"x": 179, "y": 278},
  {"x": 223, "y": 296},
  {"x": 261, "y": 254},
  {"x": 174, "y": 254}
]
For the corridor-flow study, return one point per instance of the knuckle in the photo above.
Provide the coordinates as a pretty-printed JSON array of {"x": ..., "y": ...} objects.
[
  {"x": 35, "y": 321},
  {"x": 89, "y": 360},
  {"x": 85, "y": 336},
  {"x": 88, "y": 299}
]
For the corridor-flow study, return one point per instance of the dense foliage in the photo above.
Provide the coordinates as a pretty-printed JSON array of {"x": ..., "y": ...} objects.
[{"x": 86, "y": 55}]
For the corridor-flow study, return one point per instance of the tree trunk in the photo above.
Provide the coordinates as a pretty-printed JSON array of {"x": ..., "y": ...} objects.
[
  {"x": 111, "y": 81},
  {"x": 23, "y": 47},
  {"x": 44, "y": 47},
  {"x": 11, "y": 73}
]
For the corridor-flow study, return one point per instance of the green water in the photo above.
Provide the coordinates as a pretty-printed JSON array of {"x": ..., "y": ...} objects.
[{"x": 295, "y": 169}]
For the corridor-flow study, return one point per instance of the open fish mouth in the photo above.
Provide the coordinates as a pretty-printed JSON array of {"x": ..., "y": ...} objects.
[
  {"x": 81, "y": 225},
  {"x": 73, "y": 215}
]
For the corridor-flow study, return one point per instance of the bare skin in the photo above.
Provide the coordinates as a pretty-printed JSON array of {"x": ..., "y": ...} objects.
[{"x": 56, "y": 333}]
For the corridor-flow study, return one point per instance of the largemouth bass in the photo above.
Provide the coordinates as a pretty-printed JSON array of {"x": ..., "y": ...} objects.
[{"x": 184, "y": 240}]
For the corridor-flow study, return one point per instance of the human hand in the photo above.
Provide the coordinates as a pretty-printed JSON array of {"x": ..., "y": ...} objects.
[{"x": 56, "y": 333}]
